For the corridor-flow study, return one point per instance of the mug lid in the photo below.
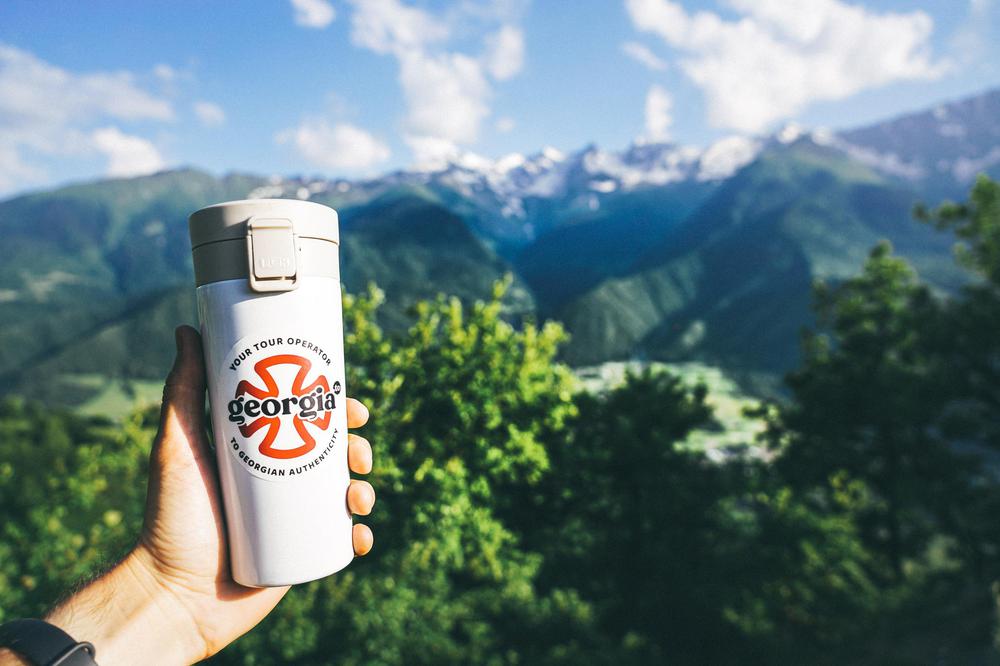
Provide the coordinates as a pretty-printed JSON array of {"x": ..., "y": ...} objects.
[{"x": 228, "y": 221}]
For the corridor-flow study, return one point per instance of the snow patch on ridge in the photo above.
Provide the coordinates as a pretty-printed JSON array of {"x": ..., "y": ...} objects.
[
  {"x": 889, "y": 163},
  {"x": 965, "y": 168},
  {"x": 726, "y": 156}
]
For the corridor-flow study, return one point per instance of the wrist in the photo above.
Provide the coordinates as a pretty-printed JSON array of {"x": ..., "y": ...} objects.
[
  {"x": 11, "y": 658},
  {"x": 131, "y": 617}
]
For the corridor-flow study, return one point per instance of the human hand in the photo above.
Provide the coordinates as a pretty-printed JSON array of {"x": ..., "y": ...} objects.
[{"x": 172, "y": 599}]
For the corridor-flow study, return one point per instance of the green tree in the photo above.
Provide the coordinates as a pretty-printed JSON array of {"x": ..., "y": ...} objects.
[
  {"x": 968, "y": 337},
  {"x": 689, "y": 561},
  {"x": 802, "y": 584},
  {"x": 630, "y": 516},
  {"x": 72, "y": 492},
  {"x": 864, "y": 402},
  {"x": 460, "y": 405},
  {"x": 897, "y": 396},
  {"x": 967, "y": 347}
]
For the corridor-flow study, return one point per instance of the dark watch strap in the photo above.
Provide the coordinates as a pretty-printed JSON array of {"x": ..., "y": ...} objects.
[{"x": 45, "y": 644}]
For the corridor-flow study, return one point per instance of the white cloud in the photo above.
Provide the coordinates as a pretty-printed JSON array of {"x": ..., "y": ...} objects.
[
  {"x": 659, "y": 105},
  {"x": 313, "y": 13},
  {"x": 642, "y": 55},
  {"x": 447, "y": 92},
  {"x": 432, "y": 153},
  {"x": 505, "y": 52},
  {"x": 47, "y": 111},
  {"x": 209, "y": 113},
  {"x": 14, "y": 172},
  {"x": 971, "y": 40},
  {"x": 389, "y": 26},
  {"x": 446, "y": 95},
  {"x": 782, "y": 55},
  {"x": 33, "y": 92},
  {"x": 505, "y": 124},
  {"x": 338, "y": 147},
  {"x": 165, "y": 72},
  {"x": 127, "y": 155}
]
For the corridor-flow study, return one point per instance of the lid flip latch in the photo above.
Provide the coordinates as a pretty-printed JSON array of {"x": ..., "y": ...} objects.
[{"x": 272, "y": 249}]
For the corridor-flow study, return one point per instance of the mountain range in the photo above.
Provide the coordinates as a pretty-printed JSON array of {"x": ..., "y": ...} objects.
[{"x": 658, "y": 251}]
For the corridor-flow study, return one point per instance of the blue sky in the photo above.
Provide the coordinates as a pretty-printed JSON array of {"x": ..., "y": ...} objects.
[{"x": 359, "y": 87}]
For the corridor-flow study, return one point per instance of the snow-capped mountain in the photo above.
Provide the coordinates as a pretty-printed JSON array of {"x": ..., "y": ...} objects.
[
  {"x": 514, "y": 199},
  {"x": 944, "y": 146},
  {"x": 506, "y": 183},
  {"x": 507, "y": 187}
]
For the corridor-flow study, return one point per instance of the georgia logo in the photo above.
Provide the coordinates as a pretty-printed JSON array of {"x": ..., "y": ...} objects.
[{"x": 303, "y": 407}]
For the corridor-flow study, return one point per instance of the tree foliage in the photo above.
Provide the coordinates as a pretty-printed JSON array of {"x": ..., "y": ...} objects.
[
  {"x": 865, "y": 404},
  {"x": 72, "y": 492}
]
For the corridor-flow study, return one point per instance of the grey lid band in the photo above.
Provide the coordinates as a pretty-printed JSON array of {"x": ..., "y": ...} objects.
[
  {"x": 227, "y": 260},
  {"x": 227, "y": 221}
]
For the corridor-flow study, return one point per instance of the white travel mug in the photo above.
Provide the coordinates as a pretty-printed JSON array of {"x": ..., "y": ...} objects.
[{"x": 268, "y": 290}]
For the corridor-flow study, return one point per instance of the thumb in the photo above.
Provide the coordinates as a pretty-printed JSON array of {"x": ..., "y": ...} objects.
[{"x": 182, "y": 415}]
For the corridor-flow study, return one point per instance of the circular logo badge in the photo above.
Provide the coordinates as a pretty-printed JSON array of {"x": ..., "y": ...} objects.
[{"x": 281, "y": 397}]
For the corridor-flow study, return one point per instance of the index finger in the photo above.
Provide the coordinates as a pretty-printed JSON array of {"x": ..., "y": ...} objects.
[{"x": 357, "y": 413}]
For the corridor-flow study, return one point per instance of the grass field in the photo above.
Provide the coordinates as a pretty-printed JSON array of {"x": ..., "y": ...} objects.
[
  {"x": 732, "y": 433},
  {"x": 114, "y": 398}
]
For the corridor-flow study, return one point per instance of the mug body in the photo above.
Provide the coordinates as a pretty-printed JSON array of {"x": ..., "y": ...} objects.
[{"x": 274, "y": 355}]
